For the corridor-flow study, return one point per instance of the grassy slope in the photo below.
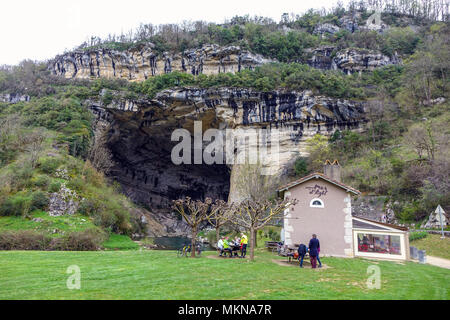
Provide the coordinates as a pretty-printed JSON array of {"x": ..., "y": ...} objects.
[
  {"x": 55, "y": 226},
  {"x": 160, "y": 275},
  {"x": 434, "y": 245}
]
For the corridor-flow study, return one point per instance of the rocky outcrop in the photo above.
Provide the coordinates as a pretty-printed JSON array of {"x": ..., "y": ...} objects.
[
  {"x": 142, "y": 63},
  {"x": 65, "y": 201},
  {"x": 14, "y": 97},
  {"x": 349, "y": 60},
  {"x": 326, "y": 29},
  {"x": 434, "y": 221},
  {"x": 140, "y": 138}
]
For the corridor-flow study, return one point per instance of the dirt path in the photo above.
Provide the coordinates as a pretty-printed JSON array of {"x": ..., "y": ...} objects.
[
  {"x": 306, "y": 264},
  {"x": 439, "y": 262}
]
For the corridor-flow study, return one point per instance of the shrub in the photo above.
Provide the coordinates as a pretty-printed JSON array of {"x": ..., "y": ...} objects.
[
  {"x": 16, "y": 205},
  {"x": 54, "y": 186},
  {"x": 417, "y": 235},
  {"x": 88, "y": 240},
  {"x": 24, "y": 240},
  {"x": 41, "y": 181},
  {"x": 301, "y": 167},
  {"x": 48, "y": 164},
  {"x": 39, "y": 200}
]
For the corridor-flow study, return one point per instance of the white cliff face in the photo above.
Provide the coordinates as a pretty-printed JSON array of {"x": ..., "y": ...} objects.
[
  {"x": 140, "y": 138},
  {"x": 140, "y": 64}
]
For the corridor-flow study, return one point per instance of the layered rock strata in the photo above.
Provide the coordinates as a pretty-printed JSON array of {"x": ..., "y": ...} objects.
[
  {"x": 349, "y": 60},
  {"x": 140, "y": 64},
  {"x": 141, "y": 145}
]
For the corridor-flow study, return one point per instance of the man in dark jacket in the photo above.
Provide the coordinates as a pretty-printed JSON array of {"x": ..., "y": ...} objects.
[
  {"x": 314, "y": 247},
  {"x": 301, "y": 253}
]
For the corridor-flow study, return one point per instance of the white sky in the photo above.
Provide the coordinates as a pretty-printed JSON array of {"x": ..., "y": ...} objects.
[{"x": 41, "y": 29}]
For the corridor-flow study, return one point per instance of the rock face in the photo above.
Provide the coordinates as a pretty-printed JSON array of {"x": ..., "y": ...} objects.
[
  {"x": 434, "y": 221},
  {"x": 140, "y": 64},
  {"x": 64, "y": 202},
  {"x": 141, "y": 145},
  {"x": 349, "y": 60},
  {"x": 326, "y": 28},
  {"x": 14, "y": 98}
]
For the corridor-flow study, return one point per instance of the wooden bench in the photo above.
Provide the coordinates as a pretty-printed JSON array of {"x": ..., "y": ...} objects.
[{"x": 270, "y": 245}]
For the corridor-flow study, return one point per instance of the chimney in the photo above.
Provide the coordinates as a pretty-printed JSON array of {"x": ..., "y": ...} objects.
[{"x": 332, "y": 170}]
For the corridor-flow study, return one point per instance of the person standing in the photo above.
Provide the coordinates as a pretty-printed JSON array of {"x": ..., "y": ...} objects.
[
  {"x": 244, "y": 241},
  {"x": 318, "y": 260},
  {"x": 314, "y": 246},
  {"x": 301, "y": 253}
]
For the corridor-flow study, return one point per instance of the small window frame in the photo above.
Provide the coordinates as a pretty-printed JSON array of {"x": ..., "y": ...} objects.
[{"x": 312, "y": 205}]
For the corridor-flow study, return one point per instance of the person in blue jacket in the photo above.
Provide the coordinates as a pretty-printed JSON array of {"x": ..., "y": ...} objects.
[
  {"x": 302, "y": 249},
  {"x": 314, "y": 247}
]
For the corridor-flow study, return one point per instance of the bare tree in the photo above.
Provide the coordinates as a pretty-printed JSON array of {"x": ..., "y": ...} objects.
[
  {"x": 99, "y": 153},
  {"x": 423, "y": 139},
  {"x": 253, "y": 209},
  {"x": 35, "y": 142},
  {"x": 220, "y": 215},
  {"x": 255, "y": 215},
  {"x": 195, "y": 212}
]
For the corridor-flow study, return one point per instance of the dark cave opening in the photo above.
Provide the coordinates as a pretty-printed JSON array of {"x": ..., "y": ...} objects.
[{"x": 144, "y": 169}]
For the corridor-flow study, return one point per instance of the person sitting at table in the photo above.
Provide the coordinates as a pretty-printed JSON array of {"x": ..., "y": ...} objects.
[
  {"x": 236, "y": 246},
  {"x": 226, "y": 247},
  {"x": 220, "y": 246}
]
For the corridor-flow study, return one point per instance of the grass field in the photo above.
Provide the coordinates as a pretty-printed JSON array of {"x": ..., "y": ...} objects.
[
  {"x": 434, "y": 245},
  {"x": 148, "y": 274}
]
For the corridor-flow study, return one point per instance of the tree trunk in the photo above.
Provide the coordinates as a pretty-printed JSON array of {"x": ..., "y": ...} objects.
[
  {"x": 217, "y": 234},
  {"x": 256, "y": 237},
  {"x": 252, "y": 243},
  {"x": 193, "y": 240}
]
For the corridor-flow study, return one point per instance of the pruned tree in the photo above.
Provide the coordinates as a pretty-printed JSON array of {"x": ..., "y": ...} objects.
[
  {"x": 194, "y": 213},
  {"x": 255, "y": 215},
  {"x": 257, "y": 204},
  {"x": 220, "y": 215}
]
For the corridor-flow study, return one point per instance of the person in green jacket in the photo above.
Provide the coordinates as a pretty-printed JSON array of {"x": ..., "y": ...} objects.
[{"x": 226, "y": 247}]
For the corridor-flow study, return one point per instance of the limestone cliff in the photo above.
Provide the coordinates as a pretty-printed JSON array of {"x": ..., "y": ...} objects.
[
  {"x": 349, "y": 60},
  {"x": 140, "y": 136},
  {"x": 140, "y": 64}
]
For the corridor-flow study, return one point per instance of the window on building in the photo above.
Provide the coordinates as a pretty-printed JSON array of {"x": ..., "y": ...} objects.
[
  {"x": 379, "y": 243},
  {"x": 316, "y": 203}
]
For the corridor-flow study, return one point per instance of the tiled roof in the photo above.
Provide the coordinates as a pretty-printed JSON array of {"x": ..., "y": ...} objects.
[{"x": 318, "y": 175}]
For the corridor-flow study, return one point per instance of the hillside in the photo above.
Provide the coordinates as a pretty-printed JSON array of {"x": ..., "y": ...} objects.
[{"x": 85, "y": 138}]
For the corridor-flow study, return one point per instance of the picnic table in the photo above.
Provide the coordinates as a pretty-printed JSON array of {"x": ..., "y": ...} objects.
[{"x": 290, "y": 251}]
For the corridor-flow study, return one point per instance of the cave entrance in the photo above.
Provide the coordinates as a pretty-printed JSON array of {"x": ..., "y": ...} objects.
[{"x": 148, "y": 176}]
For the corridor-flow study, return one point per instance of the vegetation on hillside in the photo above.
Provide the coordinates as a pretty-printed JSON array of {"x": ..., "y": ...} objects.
[{"x": 46, "y": 143}]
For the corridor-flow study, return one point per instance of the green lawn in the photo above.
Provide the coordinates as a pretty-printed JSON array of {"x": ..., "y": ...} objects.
[
  {"x": 120, "y": 242},
  {"x": 433, "y": 245},
  {"x": 148, "y": 274}
]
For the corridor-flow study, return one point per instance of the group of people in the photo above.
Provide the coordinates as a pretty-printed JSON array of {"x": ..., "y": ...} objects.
[
  {"x": 314, "y": 250},
  {"x": 225, "y": 245}
]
